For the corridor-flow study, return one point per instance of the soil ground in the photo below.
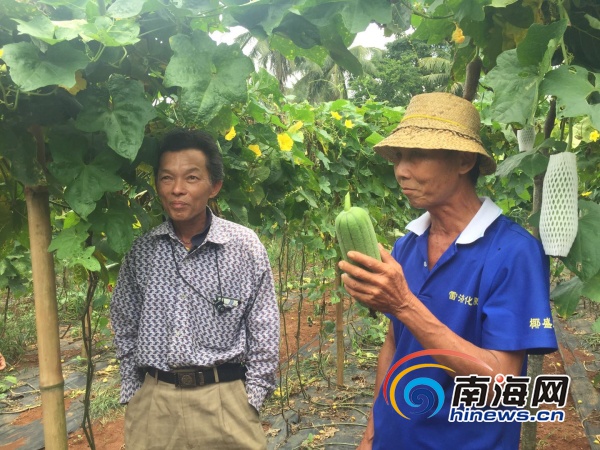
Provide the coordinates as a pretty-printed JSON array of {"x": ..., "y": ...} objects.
[{"x": 324, "y": 396}]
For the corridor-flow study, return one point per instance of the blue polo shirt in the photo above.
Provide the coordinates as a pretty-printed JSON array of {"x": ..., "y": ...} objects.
[{"x": 491, "y": 287}]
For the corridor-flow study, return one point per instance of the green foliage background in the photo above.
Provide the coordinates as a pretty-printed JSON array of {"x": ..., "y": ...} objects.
[{"x": 103, "y": 81}]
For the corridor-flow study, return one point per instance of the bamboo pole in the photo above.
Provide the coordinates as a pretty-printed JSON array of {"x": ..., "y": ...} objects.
[
  {"x": 339, "y": 329},
  {"x": 52, "y": 383},
  {"x": 46, "y": 317}
]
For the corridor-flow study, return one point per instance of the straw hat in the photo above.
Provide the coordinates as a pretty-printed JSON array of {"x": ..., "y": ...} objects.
[{"x": 438, "y": 121}]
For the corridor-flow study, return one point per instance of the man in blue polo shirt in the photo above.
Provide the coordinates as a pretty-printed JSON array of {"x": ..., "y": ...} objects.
[{"x": 466, "y": 289}]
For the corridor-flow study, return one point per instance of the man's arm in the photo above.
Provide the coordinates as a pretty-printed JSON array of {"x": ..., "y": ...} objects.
[
  {"x": 386, "y": 355},
  {"x": 262, "y": 357},
  {"x": 384, "y": 288},
  {"x": 125, "y": 311}
]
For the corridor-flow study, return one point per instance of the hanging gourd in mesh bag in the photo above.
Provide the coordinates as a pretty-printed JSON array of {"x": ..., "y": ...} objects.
[
  {"x": 526, "y": 138},
  {"x": 559, "y": 214}
]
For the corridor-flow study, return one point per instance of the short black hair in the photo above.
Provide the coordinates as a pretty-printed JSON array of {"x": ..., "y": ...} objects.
[{"x": 182, "y": 139}]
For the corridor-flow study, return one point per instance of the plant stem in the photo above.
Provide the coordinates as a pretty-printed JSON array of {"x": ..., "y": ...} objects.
[
  {"x": 6, "y": 310},
  {"x": 570, "y": 136},
  {"x": 563, "y": 15},
  {"x": 87, "y": 338}
]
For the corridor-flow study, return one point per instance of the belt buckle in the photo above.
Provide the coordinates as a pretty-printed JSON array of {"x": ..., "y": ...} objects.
[{"x": 190, "y": 379}]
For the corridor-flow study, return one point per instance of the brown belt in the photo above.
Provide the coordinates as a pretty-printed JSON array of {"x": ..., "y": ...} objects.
[{"x": 195, "y": 377}]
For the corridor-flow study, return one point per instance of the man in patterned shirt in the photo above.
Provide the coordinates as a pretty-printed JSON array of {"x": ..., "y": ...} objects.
[{"x": 195, "y": 316}]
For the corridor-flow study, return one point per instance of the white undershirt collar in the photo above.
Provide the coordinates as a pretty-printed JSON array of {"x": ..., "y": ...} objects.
[{"x": 488, "y": 212}]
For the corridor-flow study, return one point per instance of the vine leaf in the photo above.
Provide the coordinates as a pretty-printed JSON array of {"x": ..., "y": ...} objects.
[
  {"x": 122, "y": 112},
  {"x": 472, "y": 9},
  {"x": 431, "y": 30},
  {"x": 532, "y": 163},
  {"x": 358, "y": 14},
  {"x": 211, "y": 77},
  {"x": 112, "y": 33},
  {"x": 20, "y": 150},
  {"x": 260, "y": 18},
  {"x": 519, "y": 72},
  {"x": 69, "y": 247},
  {"x": 124, "y": 9},
  {"x": 40, "y": 27},
  {"x": 334, "y": 43},
  {"x": 566, "y": 296},
  {"x": 116, "y": 222},
  {"x": 50, "y": 31},
  {"x": 584, "y": 257},
  {"x": 85, "y": 182},
  {"x": 30, "y": 69},
  {"x": 572, "y": 87},
  {"x": 591, "y": 288}
]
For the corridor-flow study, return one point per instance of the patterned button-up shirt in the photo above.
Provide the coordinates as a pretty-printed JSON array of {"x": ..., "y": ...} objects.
[{"x": 163, "y": 312}]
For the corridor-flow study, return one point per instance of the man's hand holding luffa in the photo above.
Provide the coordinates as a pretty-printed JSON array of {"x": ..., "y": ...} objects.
[{"x": 379, "y": 285}]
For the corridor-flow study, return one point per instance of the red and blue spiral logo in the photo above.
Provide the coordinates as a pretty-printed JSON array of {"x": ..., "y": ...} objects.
[{"x": 423, "y": 395}]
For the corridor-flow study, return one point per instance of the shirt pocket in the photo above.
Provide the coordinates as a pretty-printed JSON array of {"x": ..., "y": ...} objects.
[{"x": 220, "y": 328}]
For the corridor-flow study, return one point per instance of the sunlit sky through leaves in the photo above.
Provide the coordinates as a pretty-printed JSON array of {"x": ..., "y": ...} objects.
[{"x": 371, "y": 37}]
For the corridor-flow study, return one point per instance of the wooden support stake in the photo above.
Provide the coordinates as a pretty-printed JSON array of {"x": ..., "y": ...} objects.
[
  {"x": 46, "y": 317},
  {"x": 339, "y": 329}
]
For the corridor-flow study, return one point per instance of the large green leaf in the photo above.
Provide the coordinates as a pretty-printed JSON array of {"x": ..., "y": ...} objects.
[
  {"x": 502, "y": 3},
  {"x": 211, "y": 77},
  {"x": 19, "y": 148},
  {"x": 299, "y": 30},
  {"x": 286, "y": 47},
  {"x": 49, "y": 31},
  {"x": 433, "y": 31},
  {"x": 122, "y": 113},
  {"x": 532, "y": 163},
  {"x": 70, "y": 247},
  {"x": 591, "y": 288},
  {"x": 333, "y": 42},
  {"x": 259, "y": 15},
  {"x": 566, "y": 296},
  {"x": 573, "y": 86},
  {"x": 519, "y": 72},
  {"x": 540, "y": 43},
  {"x": 324, "y": 24},
  {"x": 584, "y": 257},
  {"x": 515, "y": 89},
  {"x": 358, "y": 14},
  {"x": 124, "y": 9},
  {"x": 112, "y": 33},
  {"x": 30, "y": 69},
  {"x": 116, "y": 222},
  {"x": 69, "y": 150},
  {"x": 355, "y": 15},
  {"x": 85, "y": 182},
  {"x": 40, "y": 27},
  {"x": 472, "y": 9}
]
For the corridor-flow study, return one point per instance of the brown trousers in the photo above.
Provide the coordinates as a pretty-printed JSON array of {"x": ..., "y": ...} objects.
[{"x": 161, "y": 416}]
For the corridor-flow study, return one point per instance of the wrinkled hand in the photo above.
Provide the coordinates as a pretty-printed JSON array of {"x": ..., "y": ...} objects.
[{"x": 381, "y": 287}]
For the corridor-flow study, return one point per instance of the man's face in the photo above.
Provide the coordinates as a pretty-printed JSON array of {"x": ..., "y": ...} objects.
[
  {"x": 427, "y": 177},
  {"x": 184, "y": 186}
]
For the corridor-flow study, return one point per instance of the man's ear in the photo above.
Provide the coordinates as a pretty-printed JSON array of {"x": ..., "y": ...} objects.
[
  {"x": 216, "y": 187},
  {"x": 467, "y": 161}
]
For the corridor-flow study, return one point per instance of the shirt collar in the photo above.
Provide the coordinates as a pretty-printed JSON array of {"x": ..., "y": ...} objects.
[
  {"x": 216, "y": 234},
  {"x": 487, "y": 214}
]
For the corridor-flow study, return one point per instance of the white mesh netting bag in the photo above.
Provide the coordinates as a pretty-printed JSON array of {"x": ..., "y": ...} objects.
[
  {"x": 526, "y": 138},
  {"x": 559, "y": 215}
]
